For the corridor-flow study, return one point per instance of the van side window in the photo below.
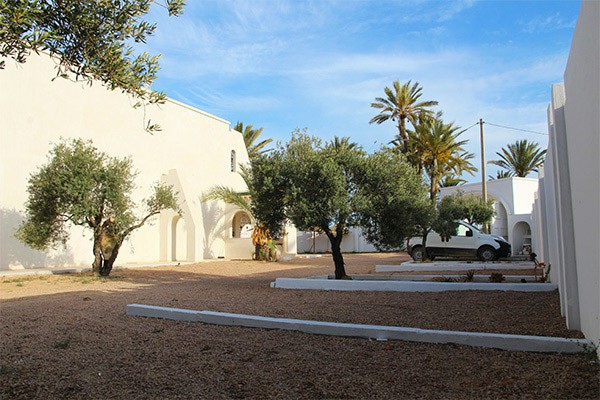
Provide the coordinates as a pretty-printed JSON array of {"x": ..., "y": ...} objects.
[{"x": 463, "y": 231}]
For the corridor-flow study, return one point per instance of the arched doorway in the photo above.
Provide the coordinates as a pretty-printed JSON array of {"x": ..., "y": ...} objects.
[
  {"x": 241, "y": 225},
  {"x": 178, "y": 239},
  {"x": 500, "y": 224},
  {"x": 521, "y": 238}
]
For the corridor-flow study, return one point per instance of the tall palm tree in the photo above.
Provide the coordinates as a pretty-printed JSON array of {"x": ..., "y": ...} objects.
[
  {"x": 435, "y": 149},
  {"x": 400, "y": 104},
  {"x": 521, "y": 158},
  {"x": 250, "y": 136}
]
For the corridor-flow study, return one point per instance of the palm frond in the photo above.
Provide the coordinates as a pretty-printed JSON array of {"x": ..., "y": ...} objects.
[{"x": 229, "y": 196}]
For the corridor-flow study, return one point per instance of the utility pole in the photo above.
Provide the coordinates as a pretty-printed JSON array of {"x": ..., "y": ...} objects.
[{"x": 483, "y": 173}]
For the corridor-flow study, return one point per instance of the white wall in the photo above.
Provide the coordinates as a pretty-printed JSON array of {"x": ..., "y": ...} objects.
[
  {"x": 35, "y": 112},
  {"x": 353, "y": 241},
  {"x": 582, "y": 109},
  {"x": 570, "y": 191}
]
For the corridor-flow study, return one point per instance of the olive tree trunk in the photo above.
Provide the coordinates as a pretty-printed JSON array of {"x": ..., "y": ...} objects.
[
  {"x": 336, "y": 252},
  {"x": 424, "y": 244}
]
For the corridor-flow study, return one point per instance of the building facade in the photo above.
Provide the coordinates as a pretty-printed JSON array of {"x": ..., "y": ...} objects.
[
  {"x": 513, "y": 202},
  {"x": 193, "y": 152}
]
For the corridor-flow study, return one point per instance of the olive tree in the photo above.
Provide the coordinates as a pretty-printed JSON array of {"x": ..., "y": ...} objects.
[
  {"x": 309, "y": 184},
  {"x": 394, "y": 201},
  {"x": 334, "y": 186},
  {"x": 83, "y": 186}
]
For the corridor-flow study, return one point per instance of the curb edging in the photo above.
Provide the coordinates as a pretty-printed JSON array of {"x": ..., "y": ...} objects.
[{"x": 542, "y": 344}]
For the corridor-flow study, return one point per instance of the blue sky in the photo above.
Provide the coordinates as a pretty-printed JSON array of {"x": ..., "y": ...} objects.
[{"x": 292, "y": 64}]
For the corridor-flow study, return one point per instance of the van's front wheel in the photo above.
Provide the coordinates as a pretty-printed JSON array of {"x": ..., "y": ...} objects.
[
  {"x": 417, "y": 253},
  {"x": 486, "y": 253}
]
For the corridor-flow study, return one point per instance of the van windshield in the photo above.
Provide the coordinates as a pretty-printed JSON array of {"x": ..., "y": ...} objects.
[{"x": 464, "y": 225}]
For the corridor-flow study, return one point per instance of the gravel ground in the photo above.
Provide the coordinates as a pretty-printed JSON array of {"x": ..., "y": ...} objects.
[{"x": 67, "y": 337}]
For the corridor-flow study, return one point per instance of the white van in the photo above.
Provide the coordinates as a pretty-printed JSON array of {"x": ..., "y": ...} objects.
[{"x": 468, "y": 242}]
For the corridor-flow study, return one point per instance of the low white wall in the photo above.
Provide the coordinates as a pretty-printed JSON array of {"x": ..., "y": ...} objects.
[
  {"x": 239, "y": 248},
  {"x": 353, "y": 242}
]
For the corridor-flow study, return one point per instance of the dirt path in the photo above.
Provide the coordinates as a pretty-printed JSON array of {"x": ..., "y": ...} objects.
[{"x": 69, "y": 337}]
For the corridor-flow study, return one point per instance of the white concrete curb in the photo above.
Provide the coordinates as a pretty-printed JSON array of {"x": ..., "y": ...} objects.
[
  {"x": 476, "y": 278},
  {"x": 450, "y": 266},
  {"x": 405, "y": 286},
  {"x": 490, "y": 340}
]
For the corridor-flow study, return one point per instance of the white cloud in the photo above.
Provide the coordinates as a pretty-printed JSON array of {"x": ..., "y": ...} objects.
[
  {"x": 287, "y": 64},
  {"x": 547, "y": 24}
]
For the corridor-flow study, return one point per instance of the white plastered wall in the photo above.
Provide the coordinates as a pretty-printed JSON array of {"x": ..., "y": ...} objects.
[
  {"x": 36, "y": 112},
  {"x": 582, "y": 116},
  {"x": 570, "y": 189}
]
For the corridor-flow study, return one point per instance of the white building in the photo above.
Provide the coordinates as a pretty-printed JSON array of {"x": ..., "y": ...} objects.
[
  {"x": 567, "y": 207},
  {"x": 193, "y": 152},
  {"x": 513, "y": 201}
]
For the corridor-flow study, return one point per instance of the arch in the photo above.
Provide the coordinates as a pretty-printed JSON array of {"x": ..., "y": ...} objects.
[
  {"x": 499, "y": 225},
  {"x": 178, "y": 239},
  {"x": 241, "y": 225},
  {"x": 233, "y": 161},
  {"x": 521, "y": 238}
]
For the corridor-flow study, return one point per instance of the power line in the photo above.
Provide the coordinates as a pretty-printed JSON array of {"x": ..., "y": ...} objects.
[
  {"x": 464, "y": 130},
  {"x": 516, "y": 129}
]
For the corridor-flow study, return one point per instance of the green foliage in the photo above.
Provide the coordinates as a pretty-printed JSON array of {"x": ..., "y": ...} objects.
[
  {"x": 470, "y": 207},
  {"x": 461, "y": 207},
  {"x": 230, "y": 196},
  {"x": 400, "y": 104},
  {"x": 335, "y": 185},
  {"x": 501, "y": 175},
  {"x": 266, "y": 185},
  {"x": 310, "y": 184},
  {"x": 92, "y": 40},
  {"x": 393, "y": 201},
  {"x": 435, "y": 149},
  {"x": 82, "y": 186},
  {"x": 250, "y": 136},
  {"x": 520, "y": 158},
  {"x": 451, "y": 180},
  {"x": 320, "y": 182}
]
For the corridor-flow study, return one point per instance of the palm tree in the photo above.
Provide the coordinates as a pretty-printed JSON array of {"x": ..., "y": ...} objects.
[
  {"x": 521, "y": 158},
  {"x": 264, "y": 246},
  {"x": 435, "y": 149},
  {"x": 250, "y": 136},
  {"x": 450, "y": 180},
  {"x": 501, "y": 175},
  {"x": 401, "y": 104}
]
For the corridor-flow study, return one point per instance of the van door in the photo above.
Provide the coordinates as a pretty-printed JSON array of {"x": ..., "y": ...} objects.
[
  {"x": 463, "y": 242},
  {"x": 435, "y": 245}
]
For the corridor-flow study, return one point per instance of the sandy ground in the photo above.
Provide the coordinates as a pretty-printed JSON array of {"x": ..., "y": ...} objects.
[{"x": 68, "y": 337}]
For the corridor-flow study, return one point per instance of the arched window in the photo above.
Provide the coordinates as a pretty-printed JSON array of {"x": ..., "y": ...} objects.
[{"x": 233, "y": 161}]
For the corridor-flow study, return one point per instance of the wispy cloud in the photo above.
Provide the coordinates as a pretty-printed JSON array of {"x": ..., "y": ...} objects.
[
  {"x": 547, "y": 24},
  {"x": 287, "y": 64}
]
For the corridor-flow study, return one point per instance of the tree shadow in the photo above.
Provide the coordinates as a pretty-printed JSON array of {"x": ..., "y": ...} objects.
[{"x": 14, "y": 253}]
